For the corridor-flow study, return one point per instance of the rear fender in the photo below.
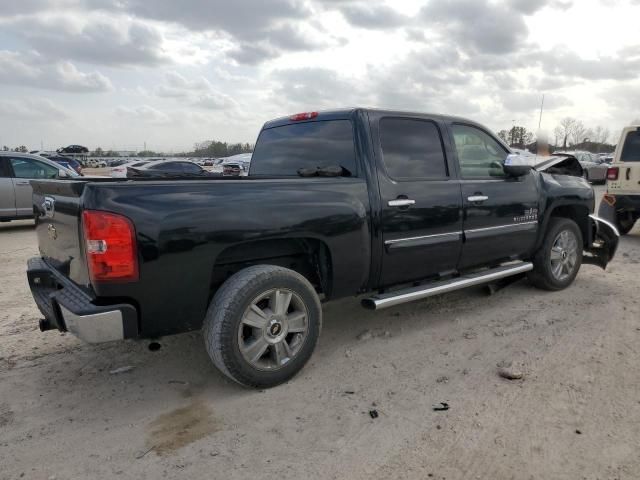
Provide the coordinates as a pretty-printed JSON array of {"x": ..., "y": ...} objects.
[{"x": 604, "y": 244}]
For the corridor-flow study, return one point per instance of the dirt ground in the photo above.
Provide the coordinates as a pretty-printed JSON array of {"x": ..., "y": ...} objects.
[{"x": 575, "y": 415}]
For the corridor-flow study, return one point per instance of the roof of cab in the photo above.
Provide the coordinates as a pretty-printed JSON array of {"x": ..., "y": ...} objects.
[{"x": 347, "y": 113}]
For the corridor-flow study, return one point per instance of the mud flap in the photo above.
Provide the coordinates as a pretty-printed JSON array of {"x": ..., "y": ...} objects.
[{"x": 604, "y": 241}]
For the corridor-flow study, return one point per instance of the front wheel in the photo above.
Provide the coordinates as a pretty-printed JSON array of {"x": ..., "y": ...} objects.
[
  {"x": 262, "y": 325},
  {"x": 556, "y": 264}
]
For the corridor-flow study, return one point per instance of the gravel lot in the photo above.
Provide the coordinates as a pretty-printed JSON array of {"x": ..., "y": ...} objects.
[{"x": 575, "y": 415}]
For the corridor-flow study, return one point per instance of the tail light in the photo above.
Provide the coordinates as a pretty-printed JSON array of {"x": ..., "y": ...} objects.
[
  {"x": 612, "y": 173},
  {"x": 110, "y": 246},
  {"x": 303, "y": 116}
]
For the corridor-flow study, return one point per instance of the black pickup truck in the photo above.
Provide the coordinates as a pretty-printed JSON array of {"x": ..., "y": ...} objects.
[{"x": 398, "y": 206}]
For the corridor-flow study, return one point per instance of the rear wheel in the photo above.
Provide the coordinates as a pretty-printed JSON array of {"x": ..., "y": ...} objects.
[
  {"x": 625, "y": 222},
  {"x": 558, "y": 261},
  {"x": 263, "y": 325}
]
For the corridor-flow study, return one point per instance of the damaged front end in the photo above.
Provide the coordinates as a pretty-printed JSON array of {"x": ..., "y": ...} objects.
[{"x": 604, "y": 242}]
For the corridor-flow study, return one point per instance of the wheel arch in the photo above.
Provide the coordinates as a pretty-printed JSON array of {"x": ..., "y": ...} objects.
[
  {"x": 308, "y": 256},
  {"x": 576, "y": 212}
]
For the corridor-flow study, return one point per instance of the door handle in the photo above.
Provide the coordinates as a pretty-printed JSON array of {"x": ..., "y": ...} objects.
[
  {"x": 401, "y": 202},
  {"x": 477, "y": 198},
  {"x": 23, "y": 182},
  {"x": 628, "y": 173}
]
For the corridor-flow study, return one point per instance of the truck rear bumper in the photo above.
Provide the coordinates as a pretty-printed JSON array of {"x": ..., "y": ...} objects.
[{"x": 68, "y": 308}]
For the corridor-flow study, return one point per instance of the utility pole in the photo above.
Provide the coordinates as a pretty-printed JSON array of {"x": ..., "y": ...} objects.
[{"x": 541, "y": 107}]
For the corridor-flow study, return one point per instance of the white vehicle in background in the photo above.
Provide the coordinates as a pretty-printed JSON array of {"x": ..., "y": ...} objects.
[
  {"x": 237, "y": 165},
  {"x": 120, "y": 171},
  {"x": 621, "y": 204},
  {"x": 96, "y": 163}
]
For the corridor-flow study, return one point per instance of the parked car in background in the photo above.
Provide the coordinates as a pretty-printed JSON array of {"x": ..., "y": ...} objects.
[
  {"x": 621, "y": 204},
  {"x": 236, "y": 165},
  {"x": 74, "y": 150},
  {"x": 178, "y": 167},
  {"x": 16, "y": 172},
  {"x": 96, "y": 163},
  {"x": 66, "y": 162},
  {"x": 120, "y": 170},
  {"x": 595, "y": 171}
]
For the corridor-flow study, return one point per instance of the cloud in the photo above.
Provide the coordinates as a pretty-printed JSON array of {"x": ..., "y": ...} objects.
[
  {"x": 32, "y": 109},
  {"x": 621, "y": 67},
  {"x": 372, "y": 16},
  {"x": 526, "y": 101},
  {"x": 143, "y": 113},
  {"x": 177, "y": 86},
  {"x": 29, "y": 69},
  {"x": 91, "y": 39},
  {"x": 479, "y": 26}
]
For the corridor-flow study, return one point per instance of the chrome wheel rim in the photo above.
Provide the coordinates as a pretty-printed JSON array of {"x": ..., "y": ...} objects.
[
  {"x": 564, "y": 255},
  {"x": 273, "y": 329}
]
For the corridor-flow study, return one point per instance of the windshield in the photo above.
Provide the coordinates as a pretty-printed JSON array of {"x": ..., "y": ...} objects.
[
  {"x": 285, "y": 150},
  {"x": 631, "y": 148}
]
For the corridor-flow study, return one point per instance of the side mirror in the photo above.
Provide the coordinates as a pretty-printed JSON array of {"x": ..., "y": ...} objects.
[
  {"x": 516, "y": 165},
  {"x": 63, "y": 174}
]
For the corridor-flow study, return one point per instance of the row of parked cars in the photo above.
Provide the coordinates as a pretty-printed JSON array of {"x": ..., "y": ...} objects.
[{"x": 236, "y": 165}]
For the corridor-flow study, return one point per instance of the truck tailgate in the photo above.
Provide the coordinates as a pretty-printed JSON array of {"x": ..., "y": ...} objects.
[{"x": 57, "y": 208}]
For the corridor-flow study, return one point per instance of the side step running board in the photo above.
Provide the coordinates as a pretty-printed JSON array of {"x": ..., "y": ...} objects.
[{"x": 385, "y": 300}]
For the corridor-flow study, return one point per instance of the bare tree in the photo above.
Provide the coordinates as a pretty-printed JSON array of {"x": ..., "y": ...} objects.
[
  {"x": 566, "y": 128},
  {"x": 579, "y": 133},
  {"x": 558, "y": 134},
  {"x": 600, "y": 136}
]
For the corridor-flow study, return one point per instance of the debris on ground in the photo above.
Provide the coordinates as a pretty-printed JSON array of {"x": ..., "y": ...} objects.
[
  {"x": 470, "y": 335},
  {"x": 126, "y": 369},
  {"x": 510, "y": 373},
  {"x": 366, "y": 335},
  {"x": 373, "y": 413},
  {"x": 441, "y": 407},
  {"x": 442, "y": 379}
]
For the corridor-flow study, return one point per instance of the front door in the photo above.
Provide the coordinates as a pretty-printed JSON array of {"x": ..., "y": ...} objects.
[
  {"x": 25, "y": 169},
  {"x": 500, "y": 213},
  {"x": 421, "y": 204}
]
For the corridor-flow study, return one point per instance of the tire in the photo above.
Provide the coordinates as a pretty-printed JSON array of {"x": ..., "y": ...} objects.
[
  {"x": 240, "y": 322},
  {"x": 625, "y": 222},
  {"x": 559, "y": 239}
]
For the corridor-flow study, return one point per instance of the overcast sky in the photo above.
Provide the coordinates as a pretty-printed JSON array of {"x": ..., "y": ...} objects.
[{"x": 118, "y": 73}]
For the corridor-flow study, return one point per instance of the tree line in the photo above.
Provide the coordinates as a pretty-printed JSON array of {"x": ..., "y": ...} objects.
[{"x": 569, "y": 134}]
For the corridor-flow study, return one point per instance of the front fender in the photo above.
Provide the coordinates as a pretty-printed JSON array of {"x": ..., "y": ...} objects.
[{"x": 604, "y": 244}]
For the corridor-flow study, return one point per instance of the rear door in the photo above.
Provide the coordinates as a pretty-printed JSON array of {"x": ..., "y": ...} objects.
[
  {"x": 420, "y": 199},
  {"x": 7, "y": 191},
  {"x": 628, "y": 162},
  {"x": 500, "y": 212},
  {"x": 24, "y": 170}
]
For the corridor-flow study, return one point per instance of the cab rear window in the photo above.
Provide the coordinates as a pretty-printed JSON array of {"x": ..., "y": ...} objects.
[
  {"x": 631, "y": 148},
  {"x": 285, "y": 150}
]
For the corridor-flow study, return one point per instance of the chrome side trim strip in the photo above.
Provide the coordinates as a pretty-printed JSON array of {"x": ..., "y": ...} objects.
[
  {"x": 410, "y": 239},
  {"x": 510, "y": 225},
  {"x": 417, "y": 293}
]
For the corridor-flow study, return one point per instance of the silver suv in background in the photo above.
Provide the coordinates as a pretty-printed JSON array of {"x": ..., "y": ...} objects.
[{"x": 16, "y": 172}]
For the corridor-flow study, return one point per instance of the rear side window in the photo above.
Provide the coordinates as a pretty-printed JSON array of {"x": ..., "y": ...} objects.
[
  {"x": 412, "y": 148},
  {"x": 631, "y": 149},
  {"x": 282, "y": 151}
]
